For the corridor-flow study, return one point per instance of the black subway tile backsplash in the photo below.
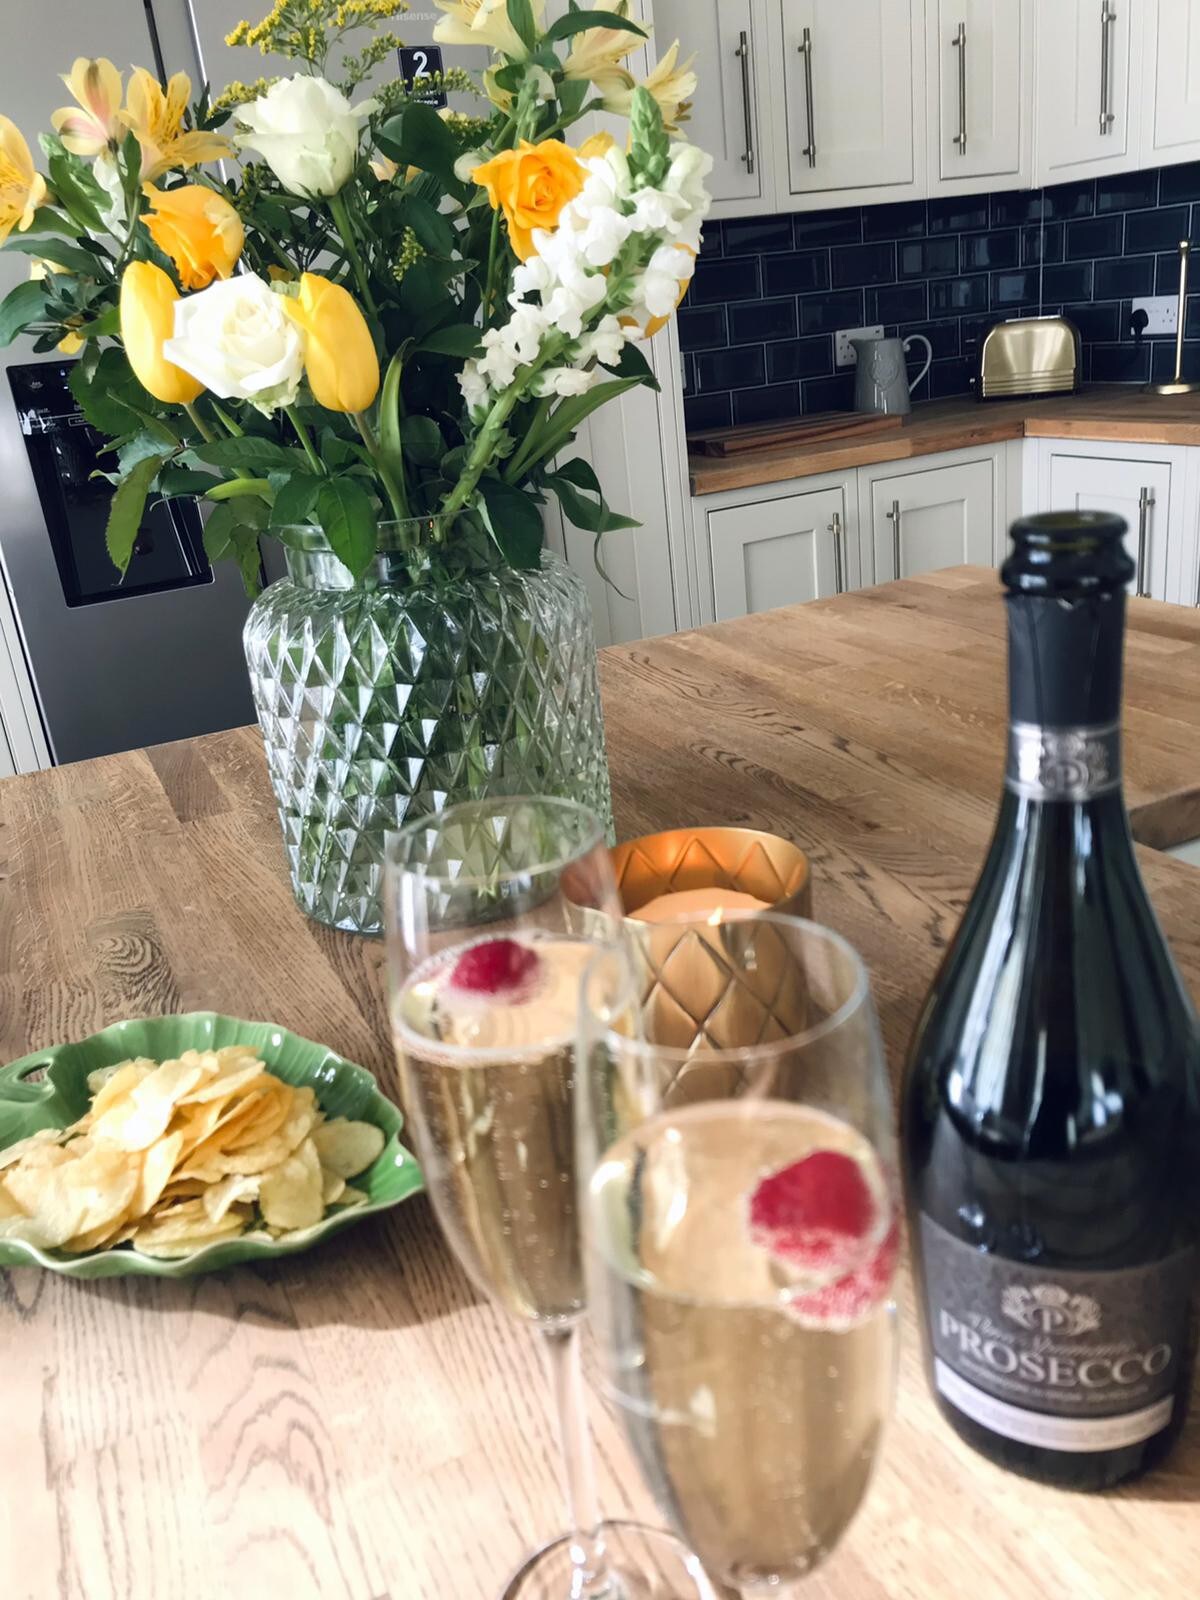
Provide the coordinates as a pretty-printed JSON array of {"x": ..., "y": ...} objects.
[{"x": 770, "y": 291}]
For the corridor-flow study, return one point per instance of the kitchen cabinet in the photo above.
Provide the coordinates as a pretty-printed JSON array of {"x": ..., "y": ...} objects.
[
  {"x": 1171, "y": 95},
  {"x": 980, "y": 111},
  {"x": 850, "y": 103},
  {"x": 778, "y": 552},
  {"x": 729, "y": 39},
  {"x": 917, "y": 519},
  {"x": 1089, "y": 90},
  {"x": 1146, "y": 489}
]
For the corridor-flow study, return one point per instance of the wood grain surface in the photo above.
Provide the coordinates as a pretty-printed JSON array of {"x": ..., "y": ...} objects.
[
  {"x": 1118, "y": 412},
  {"x": 354, "y": 1424}
]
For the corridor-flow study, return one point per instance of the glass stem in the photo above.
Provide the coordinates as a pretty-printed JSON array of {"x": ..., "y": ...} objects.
[{"x": 590, "y": 1577}]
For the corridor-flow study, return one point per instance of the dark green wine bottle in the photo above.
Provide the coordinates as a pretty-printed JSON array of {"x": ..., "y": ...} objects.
[{"x": 1052, "y": 1101}]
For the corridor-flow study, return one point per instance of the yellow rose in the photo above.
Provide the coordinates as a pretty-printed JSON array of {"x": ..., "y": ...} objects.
[
  {"x": 339, "y": 353},
  {"x": 531, "y": 185},
  {"x": 22, "y": 189},
  {"x": 148, "y": 299},
  {"x": 198, "y": 229}
]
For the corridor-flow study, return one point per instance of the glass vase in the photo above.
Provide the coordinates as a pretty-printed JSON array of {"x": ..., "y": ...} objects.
[{"x": 409, "y": 690}]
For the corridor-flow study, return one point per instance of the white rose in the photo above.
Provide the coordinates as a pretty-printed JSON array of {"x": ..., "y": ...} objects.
[
  {"x": 307, "y": 133},
  {"x": 238, "y": 340}
]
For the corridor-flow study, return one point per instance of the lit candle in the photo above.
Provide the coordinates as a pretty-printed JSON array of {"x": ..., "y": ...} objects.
[{"x": 709, "y": 902}]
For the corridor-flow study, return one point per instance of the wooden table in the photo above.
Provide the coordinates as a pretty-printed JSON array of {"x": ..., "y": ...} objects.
[{"x": 355, "y": 1424}]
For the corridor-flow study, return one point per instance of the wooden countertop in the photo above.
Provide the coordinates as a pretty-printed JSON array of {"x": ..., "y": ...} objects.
[
  {"x": 354, "y": 1424},
  {"x": 1117, "y": 411}
]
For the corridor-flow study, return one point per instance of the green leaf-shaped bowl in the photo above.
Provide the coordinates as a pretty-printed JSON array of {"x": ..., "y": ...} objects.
[{"x": 49, "y": 1090}]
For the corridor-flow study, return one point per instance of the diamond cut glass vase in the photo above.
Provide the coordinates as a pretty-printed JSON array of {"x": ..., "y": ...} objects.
[{"x": 410, "y": 690}]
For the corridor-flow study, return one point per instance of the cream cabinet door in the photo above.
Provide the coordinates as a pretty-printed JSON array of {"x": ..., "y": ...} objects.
[
  {"x": 1139, "y": 491},
  {"x": 852, "y": 113},
  {"x": 1089, "y": 56},
  {"x": 980, "y": 91},
  {"x": 777, "y": 552},
  {"x": 921, "y": 520},
  {"x": 728, "y": 38},
  {"x": 1171, "y": 126}
]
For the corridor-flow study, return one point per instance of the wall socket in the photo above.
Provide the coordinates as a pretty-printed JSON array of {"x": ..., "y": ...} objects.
[
  {"x": 1163, "y": 311},
  {"x": 844, "y": 353}
]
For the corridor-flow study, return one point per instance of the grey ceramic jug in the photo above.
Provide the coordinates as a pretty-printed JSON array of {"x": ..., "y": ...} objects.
[{"x": 881, "y": 381}]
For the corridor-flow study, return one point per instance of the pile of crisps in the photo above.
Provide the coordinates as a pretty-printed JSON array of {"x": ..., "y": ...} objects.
[{"x": 177, "y": 1156}]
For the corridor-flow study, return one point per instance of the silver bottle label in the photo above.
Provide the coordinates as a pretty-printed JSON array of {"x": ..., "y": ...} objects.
[{"x": 1063, "y": 763}]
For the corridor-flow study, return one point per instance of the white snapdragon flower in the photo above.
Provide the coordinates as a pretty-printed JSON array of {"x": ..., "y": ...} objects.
[
  {"x": 474, "y": 387},
  {"x": 685, "y": 177},
  {"x": 528, "y": 277},
  {"x": 668, "y": 268},
  {"x": 526, "y": 329},
  {"x": 238, "y": 340},
  {"x": 569, "y": 304},
  {"x": 564, "y": 381},
  {"x": 604, "y": 343},
  {"x": 499, "y": 363},
  {"x": 656, "y": 212}
]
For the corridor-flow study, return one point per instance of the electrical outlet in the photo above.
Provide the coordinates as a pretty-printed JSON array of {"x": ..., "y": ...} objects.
[
  {"x": 1163, "y": 311},
  {"x": 844, "y": 353}
]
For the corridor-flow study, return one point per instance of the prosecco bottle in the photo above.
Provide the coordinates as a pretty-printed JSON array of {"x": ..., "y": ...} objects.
[{"x": 1052, "y": 1100}]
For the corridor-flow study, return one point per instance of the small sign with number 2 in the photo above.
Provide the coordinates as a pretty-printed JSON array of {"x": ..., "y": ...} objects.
[{"x": 423, "y": 62}]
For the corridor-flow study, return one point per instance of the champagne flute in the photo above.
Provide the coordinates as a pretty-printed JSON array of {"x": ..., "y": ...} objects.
[
  {"x": 739, "y": 1204},
  {"x": 494, "y": 909}
]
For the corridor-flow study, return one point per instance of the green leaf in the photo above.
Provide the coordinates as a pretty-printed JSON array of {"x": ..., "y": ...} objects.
[
  {"x": 73, "y": 185},
  {"x": 572, "y": 92},
  {"x": 125, "y": 514},
  {"x": 562, "y": 423},
  {"x": 174, "y": 482},
  {"x": 391, "y": 444},
  {"x": 294, "y": 501},
  {"x": 419, "y": 138},
  {"x": 21, "y": 306},
  {"x": 72, "y": 256},
  {"x": 106, "y": 325},
  {"x": 433, "y": 232},
  {"x": 422, "y": 440},
  {"x": 232, "y": 532},
  {"x": 109, "y": 395},
  {"x": 218, "y": 530},
  {"x": 582, "y": 21},
  {"x": 247, "y": 452},
  {"x": 514, "y": 520},
  {"x": 346, "y": 514},
  {"x": 458, "y": 339},
  {"x": 582, "y": 474},
  {"x": 520, "y": 14},
  {"x": 592, "y": 515},
  {"x": 49, "y": 219},
  {"x": 632, "y": 364},
  {"x": 141, "y": 446},
  {"x": 131, "y": 167}
]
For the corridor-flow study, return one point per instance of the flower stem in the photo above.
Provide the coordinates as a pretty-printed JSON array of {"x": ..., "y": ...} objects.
[
  {"x": 483, "y": 449},
  {"x": 302, "y": 434},
  {"x": 235, "y": 488},
  {"x": 393, "y": 485},
  {"x": 341, "y": 217},
  {"x": 198, "y": 422}
]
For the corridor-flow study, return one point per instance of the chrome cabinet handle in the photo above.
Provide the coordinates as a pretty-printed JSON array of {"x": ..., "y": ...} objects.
[
  {"x": 743, "y": 54},
  {"x": 839, "y": 571},
  {"x": 893, "y": 517},
  {"x": 806, "y": 50},
  {"x": 1145, "y": 506},
  {"x": 960, "y": 44},
  {"x": 1108, "y": 15}
]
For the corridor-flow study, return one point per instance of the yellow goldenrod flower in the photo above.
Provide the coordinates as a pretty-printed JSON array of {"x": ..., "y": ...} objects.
[
  {"x": 148, "y": 300},
  {"x": 672, "y": 87},
  {"x": 156, "y": 117},
  {"x": 482, "y": 22},
  {"x": 22, "y": 188},
  {"x": 198, "y": 229},
  {"x": 94, "y": 123},
  {"x": 339, "y": 353},
  {"x": 595, "y": 54},
  {"x": 531, "y": 185}
]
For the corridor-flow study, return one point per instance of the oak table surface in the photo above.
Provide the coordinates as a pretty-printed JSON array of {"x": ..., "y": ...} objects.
[{"x": 354, "y": 1423}]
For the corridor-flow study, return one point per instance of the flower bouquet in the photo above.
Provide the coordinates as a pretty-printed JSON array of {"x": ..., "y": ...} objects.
[{"x": 373, "y": 335}]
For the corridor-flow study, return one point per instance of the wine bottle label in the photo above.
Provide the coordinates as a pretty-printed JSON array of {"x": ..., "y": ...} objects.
[
  {"x": 1063, "y": 763},
  {"x": 1076, "y": 1361}
]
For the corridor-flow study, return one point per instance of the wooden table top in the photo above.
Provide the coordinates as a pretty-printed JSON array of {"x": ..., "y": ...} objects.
[
  {"x": 1120, "y": 412},
  {"x": 354, "y": 1424}
]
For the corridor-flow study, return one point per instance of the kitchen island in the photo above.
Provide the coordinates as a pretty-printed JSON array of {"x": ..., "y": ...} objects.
[{"x": 355, "y": 1422}]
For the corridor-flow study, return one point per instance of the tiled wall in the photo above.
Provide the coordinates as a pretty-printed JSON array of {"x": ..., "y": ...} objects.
[{"x": 757, "y": 326}]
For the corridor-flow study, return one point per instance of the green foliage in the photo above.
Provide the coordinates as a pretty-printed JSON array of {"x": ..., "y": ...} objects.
[
  {"x": 128, "y": 505},
  {"x": 514, "y": 521},
  {"x": 232, "y": 532},
  {"x": 347, "y": 518},
  {"x": 650, "y": 150},
  {"x": 20, "y": 307},
  {"x": 294, "y": 501},
  {"x": 520, "y": 14},
  {"x": 581, "y": 21},
  {"x": 419, "y": 138},
  {"x": 109, "y": 395}
]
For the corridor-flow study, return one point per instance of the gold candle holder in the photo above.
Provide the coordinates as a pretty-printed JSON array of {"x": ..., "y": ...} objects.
[{"x": 744, "y": 860}]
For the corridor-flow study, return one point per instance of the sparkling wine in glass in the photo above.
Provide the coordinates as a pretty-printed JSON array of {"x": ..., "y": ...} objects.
[
  {"x": 494, "y": 911},
  {"x": 740, "y": 1199}
]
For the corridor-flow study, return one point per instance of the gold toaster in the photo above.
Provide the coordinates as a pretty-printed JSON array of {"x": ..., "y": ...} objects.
[{"x": 1030, "y": 355}]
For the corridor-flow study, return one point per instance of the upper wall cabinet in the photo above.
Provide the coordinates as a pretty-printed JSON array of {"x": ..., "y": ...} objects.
[
  {"x": 979, "y": 63},
  {"x": 848, "y": 120},
  {"x": 1171, "y": 96},
  {"x": 1089, "y": 64},
  {"x": 727, "y": 38}
]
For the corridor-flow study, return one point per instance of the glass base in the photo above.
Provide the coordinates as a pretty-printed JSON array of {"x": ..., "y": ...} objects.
[{"x": 647, "y": 1564}]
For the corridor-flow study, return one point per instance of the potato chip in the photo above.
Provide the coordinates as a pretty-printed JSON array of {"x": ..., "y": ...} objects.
[
  {"x": 24, "y": 1148},
  {"x": 332, "y": 1187},
  {"x": 158, "y": 1163},
  {"x": 290, "y": 1196},
  {"x": 353, "y": 1197},
  {"x": 219, "y": 1196},
  {"x": 347, "y": 1148},
  {"x": 185, "y": 1228},
  {"x": 136, "y": 1119},
  {"x": 117, "y": 1084},
  {"x": 76, "y": 1196},
  {"x": 8, "y": 1206},
  {"x": 225, "y": 1071}
]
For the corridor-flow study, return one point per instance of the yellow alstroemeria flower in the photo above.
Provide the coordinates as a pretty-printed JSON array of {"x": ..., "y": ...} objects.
[
  {"x": 672, "y": 87},
  {"x": 156, "y": 117},
  {"x": 339, "y": 354},
  {"x": 531, "y": 185},
  {"x": 594, "y": 55},
  {"x": 22, "y": 187},
  {"x": 94, "y": 122},
  {"x": 482, "y": 22}
]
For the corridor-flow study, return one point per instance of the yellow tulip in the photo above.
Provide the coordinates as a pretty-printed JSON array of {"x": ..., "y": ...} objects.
[
  {"x": 531, "y": 185},
  {"x": 339, "y": 353},
  {"x": 198, "y": 229},
  {"x": 22, "y": 188},
  {"x": 148, "y": 299},
  {"x": 94, "y": 122},
  {"x": 156, "y": 117}
]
